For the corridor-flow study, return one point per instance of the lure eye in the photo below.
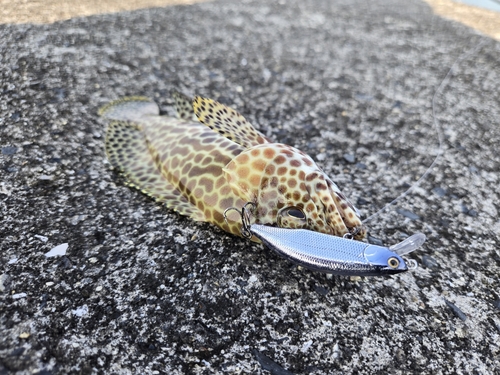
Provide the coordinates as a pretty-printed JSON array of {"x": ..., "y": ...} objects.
[{"x": 393, "y": 262}]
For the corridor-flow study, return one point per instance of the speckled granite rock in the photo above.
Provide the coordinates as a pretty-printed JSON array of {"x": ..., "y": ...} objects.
[{"x": 143, "y": 290}]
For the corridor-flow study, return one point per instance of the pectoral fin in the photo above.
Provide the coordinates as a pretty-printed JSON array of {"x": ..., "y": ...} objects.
[{"x": 252, "y": 174}]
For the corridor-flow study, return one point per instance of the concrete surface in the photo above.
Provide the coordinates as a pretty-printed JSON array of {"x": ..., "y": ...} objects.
[{"x": 143, "y": 290}]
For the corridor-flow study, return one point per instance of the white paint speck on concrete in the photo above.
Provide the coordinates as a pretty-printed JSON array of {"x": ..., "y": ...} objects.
[
  {"x": 59, "y": 250},
  {"x": 81, "y": 311}
]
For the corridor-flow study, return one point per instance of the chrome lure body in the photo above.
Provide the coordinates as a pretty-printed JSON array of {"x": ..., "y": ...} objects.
[{"x": 332, "y": 254}]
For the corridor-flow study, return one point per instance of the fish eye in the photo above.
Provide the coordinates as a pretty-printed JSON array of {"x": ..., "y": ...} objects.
[
  {"x": 291, "y": 217},
  {"x": 294, "y": 212},
  {"x": 393, "y": 262}
]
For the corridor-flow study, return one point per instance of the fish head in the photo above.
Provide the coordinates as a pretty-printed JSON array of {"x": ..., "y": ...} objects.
[{"x": 289, "y": 190}]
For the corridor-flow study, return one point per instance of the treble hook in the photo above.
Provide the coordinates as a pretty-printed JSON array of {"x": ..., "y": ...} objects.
[
  {"x": 245, "y": 218},
  {"x": 352, "y": 233}
]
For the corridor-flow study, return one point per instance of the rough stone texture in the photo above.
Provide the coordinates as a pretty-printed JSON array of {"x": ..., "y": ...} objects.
[{"x": 143, "y": 290}]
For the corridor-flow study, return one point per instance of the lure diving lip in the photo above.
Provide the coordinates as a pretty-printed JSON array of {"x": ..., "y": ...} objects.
[{"x": 336, "y": 255}]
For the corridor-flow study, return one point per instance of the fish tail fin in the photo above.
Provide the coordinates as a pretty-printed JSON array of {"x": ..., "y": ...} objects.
[
  {"x": 128, "y": 152},
  {"x": 130, "y": 108}
]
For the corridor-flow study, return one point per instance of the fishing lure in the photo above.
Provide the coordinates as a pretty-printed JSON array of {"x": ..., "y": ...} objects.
[
  {"x": 210, "y": 158},
  {"x": 332, "y": 254}
]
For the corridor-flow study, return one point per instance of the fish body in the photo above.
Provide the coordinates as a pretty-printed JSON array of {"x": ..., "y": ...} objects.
[
  {"x": 209, "y": 159},
  {"x": 329, "y": 254}
]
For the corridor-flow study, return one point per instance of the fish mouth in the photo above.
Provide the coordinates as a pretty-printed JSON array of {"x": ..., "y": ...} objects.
[{"x": 339, "y": 214}]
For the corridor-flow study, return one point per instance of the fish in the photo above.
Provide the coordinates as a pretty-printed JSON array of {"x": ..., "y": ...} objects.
[{"x": 209, "y": 158}]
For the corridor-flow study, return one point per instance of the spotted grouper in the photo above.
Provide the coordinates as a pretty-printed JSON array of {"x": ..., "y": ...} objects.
[{"x": 209, "y": 159}]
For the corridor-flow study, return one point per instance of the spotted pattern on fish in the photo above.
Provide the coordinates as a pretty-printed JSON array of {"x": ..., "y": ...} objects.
[
  {"x": 277, "y": 176},
  {"x": 201, "y": 168},
  {"x": 227, "y": 122},
  {"x": 183, "y": 106}
]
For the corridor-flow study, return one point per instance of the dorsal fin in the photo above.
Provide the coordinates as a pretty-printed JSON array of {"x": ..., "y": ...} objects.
[
  {"x": 183, "y": 106},
  {"x": 227, "y": 122}
]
